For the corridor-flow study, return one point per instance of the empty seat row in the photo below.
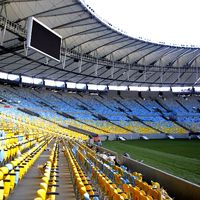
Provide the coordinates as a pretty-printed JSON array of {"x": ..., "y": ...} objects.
[
  {"x": 130, "y": 183},
  {"x": 11, "y": 173},
  {"x": 50, "y": 174},
  {"x": 107, "y": 187},
  {"x": 8, "y": 152},
  {"x": 83, "y": 187}
]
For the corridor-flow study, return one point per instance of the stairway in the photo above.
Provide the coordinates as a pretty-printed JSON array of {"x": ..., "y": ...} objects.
[
  {"x": 28, "y": 186},
  {"x": 65, "y": 188}
]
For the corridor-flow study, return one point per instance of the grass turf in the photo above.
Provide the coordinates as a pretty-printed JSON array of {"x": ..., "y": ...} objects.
[{"x": 178, "y": 157}]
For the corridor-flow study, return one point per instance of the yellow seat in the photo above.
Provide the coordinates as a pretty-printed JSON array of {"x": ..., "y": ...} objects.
[
  {"x": 52, "y": 196},
  {"x": 117, "y": 197},
  {"x": 43, "y": 186},
  {"x": 156, "y": 194},
  {"x": 126, "y": 189},
  {"x": 12, "y": 180},
  {"x": 135, "y": 193},
  {"x": 6, "y": 179},
  {"x": 82, "y": 191},
  {"x": 41, "y": 193},
  {"x": 1, "y": 188},
  {"x": 1, "y": 174}
]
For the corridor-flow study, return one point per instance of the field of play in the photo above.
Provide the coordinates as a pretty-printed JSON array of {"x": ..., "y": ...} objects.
[{"x": 178, "y": 157}]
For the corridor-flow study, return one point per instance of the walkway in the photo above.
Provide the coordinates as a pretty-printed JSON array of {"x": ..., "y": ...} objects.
[
  {"x": 30, "y": 183},
  {"x": 65, "y": 188}
]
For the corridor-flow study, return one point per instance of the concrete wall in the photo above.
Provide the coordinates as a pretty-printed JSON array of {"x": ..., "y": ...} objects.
[
  {"x": 112, "y": 94},
  {"x": 177, "y": 188},
  {"x": 148, "y": 94},
  {"x": 114, "y": 136},
  {"x": 135, "y": 136},
  {"x": 180, "y": 136},
  {"x": 128, "y": 94}
]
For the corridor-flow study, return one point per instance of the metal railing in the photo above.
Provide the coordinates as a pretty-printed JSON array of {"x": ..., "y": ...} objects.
[
  {"x": 17, "y": 29},
  {"x": 12, "y": 27}
]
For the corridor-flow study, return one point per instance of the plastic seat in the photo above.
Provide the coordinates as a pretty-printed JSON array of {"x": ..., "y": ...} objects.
[
  {"x": 6, "y": 178},
  {"x": 154, "y": 193},
  {"x": 126, "y": 189},
  {"x": 117, "y": 197},
  {"x": 43, "y": 186},
  {"x": 41, "y": 193},
  {"x": 135, "y": 193},
  {"x": 1, "y": 187},
  {"x": 83, "y": 193},
  {"x": 146, "y": 187}
]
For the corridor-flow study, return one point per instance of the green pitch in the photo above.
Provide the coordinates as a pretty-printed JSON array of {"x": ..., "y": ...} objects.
[{"x": 178, "y": 157}]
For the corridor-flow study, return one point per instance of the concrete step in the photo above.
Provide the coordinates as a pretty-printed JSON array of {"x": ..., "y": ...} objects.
[
  {"x": 28, "y": 186},
  {"x": 65, "y": 189}
]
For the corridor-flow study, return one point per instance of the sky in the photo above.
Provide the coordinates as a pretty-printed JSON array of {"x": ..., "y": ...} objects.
[{"x": 174, "y": 22}]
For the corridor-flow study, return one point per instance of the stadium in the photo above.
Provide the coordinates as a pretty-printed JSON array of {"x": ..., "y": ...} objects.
[{"x": 88, "y": 112}]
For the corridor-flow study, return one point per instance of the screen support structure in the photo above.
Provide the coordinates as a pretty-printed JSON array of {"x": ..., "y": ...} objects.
[
  {"x": 25, "y": 43},
  {"x": 25, "y": 49},
  {"x": 3, "y": 32},
  {"x": 63, "y": 58},
  {"x": 46, "y": 60}
]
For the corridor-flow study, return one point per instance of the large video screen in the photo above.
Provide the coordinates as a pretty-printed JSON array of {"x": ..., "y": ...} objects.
[{"x": 42, "y": 39}]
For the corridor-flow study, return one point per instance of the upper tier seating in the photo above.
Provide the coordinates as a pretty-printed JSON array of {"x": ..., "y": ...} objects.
[{"x": 103, "y": 115}]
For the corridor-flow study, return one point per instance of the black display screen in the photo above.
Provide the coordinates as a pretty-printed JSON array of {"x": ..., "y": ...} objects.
[{"x": 44, "y": 40}]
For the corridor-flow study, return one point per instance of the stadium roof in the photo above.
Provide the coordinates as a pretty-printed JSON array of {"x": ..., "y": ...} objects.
[{"x": 96, "y": 52}]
